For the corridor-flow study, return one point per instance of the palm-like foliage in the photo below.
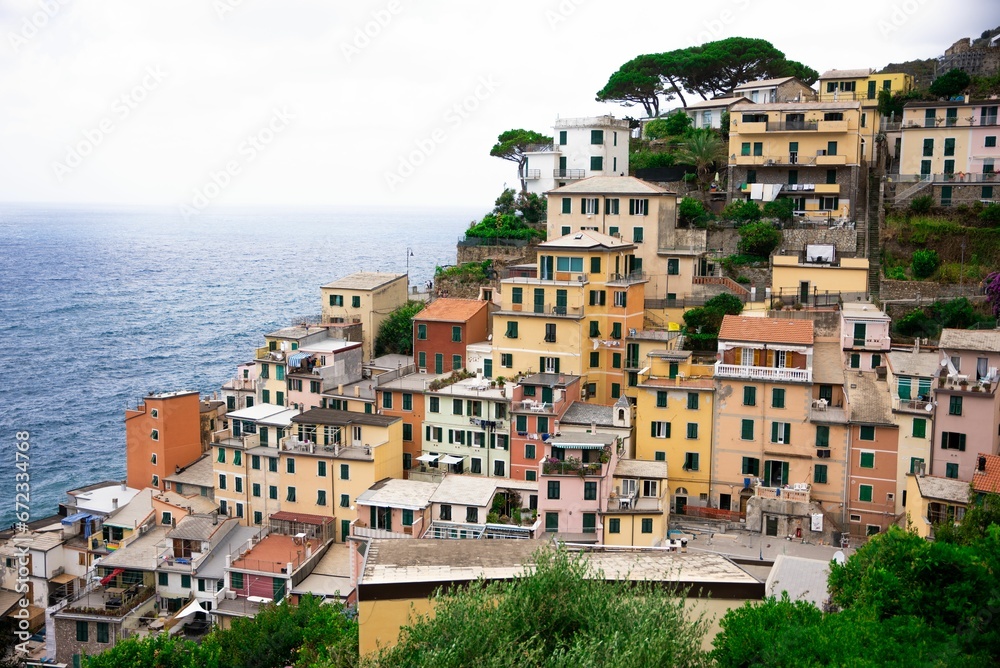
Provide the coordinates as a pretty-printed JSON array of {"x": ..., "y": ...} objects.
[{"x": 706, "y": 152}]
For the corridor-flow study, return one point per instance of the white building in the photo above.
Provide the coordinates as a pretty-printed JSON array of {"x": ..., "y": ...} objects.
[
  {"x": 708, "y": 113},
  {"x": 581, "y": 148}
]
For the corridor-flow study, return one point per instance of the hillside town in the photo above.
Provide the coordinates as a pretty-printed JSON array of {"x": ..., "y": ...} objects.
[{"x": 616, "y": 385}]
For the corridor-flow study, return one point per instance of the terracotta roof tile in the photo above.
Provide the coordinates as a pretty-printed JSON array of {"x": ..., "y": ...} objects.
[
  {"x": 987, "y": 481},
  {"x": 448, "y": 309},
  {"x": 766, "y": 330}
]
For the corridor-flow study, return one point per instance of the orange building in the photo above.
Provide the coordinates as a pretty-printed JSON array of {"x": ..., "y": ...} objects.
[
  {"x": 162, "y": 435},
  {"x": 443, "y": 330}
]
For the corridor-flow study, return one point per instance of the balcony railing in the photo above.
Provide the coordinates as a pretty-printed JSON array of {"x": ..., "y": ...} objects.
[
  {"x": 532, "y": 174},
  {"x": 763, "y": 373},
  {"x": 796, "y": 493},
  {"x": 782, "y": 126},
  {"x": 548, "y": 309},
  {"x": 881, "y": 343},
  {"x": 556, "y": 467},
  {"x": 568, "y": 173},
  {"x": 631, "y": 277},
  {"x": 533, "y": 407},
  {"x": 950, "y": 122},
  {"x": 960, "y": 177}
]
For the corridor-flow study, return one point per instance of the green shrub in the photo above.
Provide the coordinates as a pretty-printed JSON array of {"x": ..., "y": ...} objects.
[
  {"x": 650, "y": 160},
  {"x": 727, "y": 303},
  {"x": 742, "y": 211},
  {"x": 742, "y": 280},
  {"x": 759, "y": 239},
  {"x": 676, "y": 124},
  {"x": 505, "y": 226},
  {"x": 691, "y": 211},
  {"x": 783, "y": 209},
  {"x": 990, "y": 214},
  {"x": 922, "y": 204},
  {"x": 925, "y": 262},
  {"x": 896, "y": 274}
]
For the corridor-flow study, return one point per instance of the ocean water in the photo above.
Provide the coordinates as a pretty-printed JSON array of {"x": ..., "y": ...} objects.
[{"x": 98, "y": 307}]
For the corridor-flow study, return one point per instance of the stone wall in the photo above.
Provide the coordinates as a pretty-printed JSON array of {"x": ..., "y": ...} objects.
[
  {"x": 961, "y": 193},
  {"x": 825, "y": 323},
  {"x": 501, "y": 255},
  {"x": 791, "y": 516},
  {"x": 845, "y": 239},
  {"x": 924, "y": 290}
]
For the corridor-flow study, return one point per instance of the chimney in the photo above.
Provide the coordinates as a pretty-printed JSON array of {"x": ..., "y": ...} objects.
[
  {"x": 124, "y": 485},
  {"x": 593, "y": 427},
  {"x": 357, "y": 390},
  {"x": 114, "y": 503},
  {"x": 981, "y": 463},
  {"x": 340, "y": 389}
]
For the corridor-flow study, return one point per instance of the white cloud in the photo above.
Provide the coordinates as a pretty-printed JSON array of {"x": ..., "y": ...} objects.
[{"x": 355, "y": 116}]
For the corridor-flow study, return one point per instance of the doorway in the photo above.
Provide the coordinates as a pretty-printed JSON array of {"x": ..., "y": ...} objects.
[{"x": 770, "y": 526}]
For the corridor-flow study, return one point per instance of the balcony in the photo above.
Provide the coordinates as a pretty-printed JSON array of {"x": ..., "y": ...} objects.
[
  {"x": 169, "y": 562},
  {"x": 572, "y": 466},
  {"x": 822, "y": 412},
  {"x": 533, "y": 407},
  {"x": 797, "y": 493},
  {"x": 361, "y": 529},
  {"x": 633, "y": 503},
  {"x": 751, "y": 128},
  {"x": 792, "y": 126},
  {"x": 868, "y": 343},
  {"x": 532, "y": 174},
  {"x": 774, "y": 374},
  {"x": 544, "y": 310},
  {"x": 627, "y": 279},
  {"x": 826, "y": 159},
  {"x": 911, "y": 405},
  {"x": 568, "y": 173}
]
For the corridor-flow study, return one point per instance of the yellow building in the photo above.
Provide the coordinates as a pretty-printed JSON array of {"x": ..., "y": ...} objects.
[
  {"x": 638, "y": 347},
  {"x": 811, "y": 152},
  {"x": 366, "y": 298},
  {"x": 271, "y": 360},
  {"x": 637, "y": 508},
  {"x": 818, "y": 281},
  {"x": 635, "y": 212},
  {"x": 335, "y": 456},
  {"x": 573, "y": 315},
  {"x": 674, "y": 423},
  {"x": 864, "y": 86},
  {"x": 932, "y": 500}
]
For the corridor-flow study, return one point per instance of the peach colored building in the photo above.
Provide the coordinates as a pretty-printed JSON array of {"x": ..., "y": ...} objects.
[
  {"x": 575, "y": 482},
  {"x": 864, "y": 335},
  {"x": 537, "y": 405},
  {"x": 161, "y": 434},
  {"x": 394, "y": 509}
]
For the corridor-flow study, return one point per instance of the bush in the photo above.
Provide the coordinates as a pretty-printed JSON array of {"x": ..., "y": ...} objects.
[
  {"x": 692, "y": 212},
  {"x": 990, "y": 214},
  {"x": 783, "y": 209},
  {"x": 650, "y": 160},
  {"x": 676, "y": 124},
  {"x": 896, "y": 274},
  {"x": 742, "y": 280},
  {"x": 731, "y": 262},
  {"x": 504, "y": 226},
  {"x": 950, "y": 83},
  {"x": 727, "y": 303},
  {"x": 915, "y": 323},
  {"x": 742, "y": 211},
  {"x": 921, "y": 204},
  {"x": 925, "y": 263},
  {"x": 759, "y": 239},
  {"x": 395, "y": 334}
]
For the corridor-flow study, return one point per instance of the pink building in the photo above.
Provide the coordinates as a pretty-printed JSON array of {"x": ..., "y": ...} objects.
[
  {"x": 537, "y": 406},
  {"x": 967, "y": 409},
  {"x": 575, "y": 479},
  {"x": 864, "y": 336}
]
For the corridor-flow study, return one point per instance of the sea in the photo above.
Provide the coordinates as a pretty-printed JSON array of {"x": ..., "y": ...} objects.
[{"x": 101, "y": 306}]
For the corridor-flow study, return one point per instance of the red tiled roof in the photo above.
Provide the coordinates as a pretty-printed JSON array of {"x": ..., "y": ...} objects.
[
  {"x": 766, "y": 330},
  {"x": 987, "y": 481},
  {"x": 448, "y": 309},
  {"x": 302, "y": 518}
]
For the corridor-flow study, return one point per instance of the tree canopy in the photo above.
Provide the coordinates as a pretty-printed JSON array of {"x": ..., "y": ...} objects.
[
  {"x": 531, "y": 206},
  {"x": 561, "y": 613},
  {"x": 512, "y": 144},
  {"x": 395, "y": 334},
  {"x": 712, "y": 69},
  {"x": 950, "y": 83},
  {"x": 704, "y": 150}
]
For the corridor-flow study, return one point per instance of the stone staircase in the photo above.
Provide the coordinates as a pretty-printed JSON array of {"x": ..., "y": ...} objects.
[
  {"x": 723, "y": 283},
  {"x": 902, "y": 196}
]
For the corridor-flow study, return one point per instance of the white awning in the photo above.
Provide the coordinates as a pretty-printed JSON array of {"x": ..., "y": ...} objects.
[
  {"x": 427, "y": 458},
  {"x": 788, "y": 348},
  {"x": 451, "y": 459},
  {"x": 190, "y": 609}
]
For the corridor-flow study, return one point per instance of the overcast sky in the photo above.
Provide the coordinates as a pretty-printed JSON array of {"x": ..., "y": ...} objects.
[{"x": 203, "y": 102}]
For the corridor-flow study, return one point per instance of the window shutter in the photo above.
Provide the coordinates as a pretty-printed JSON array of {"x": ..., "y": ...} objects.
[
  {"x": 774, "y": 432},
  {"x": 652, "y": 430},
  {"x": 784, "y": 473},
  {"x": 557, "y": 371},
  {"x": 541, "y": 364},
  {"x": 788, "y": 433},
  {"x": 961, "y": 442},
  {"x": 631, "y": 207},
  {"x": 767, "y": 474}
]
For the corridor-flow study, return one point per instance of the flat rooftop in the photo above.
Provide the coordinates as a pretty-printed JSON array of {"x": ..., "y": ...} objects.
[
  {"x": 272, "y": 554},
  {"x": 256, "y": 412},
  {"x": 199, "y": 474},
  {"x": 394, "y": 493},
  {"x": 364, "y": 280},
  {"x": 466, "y": 490}
]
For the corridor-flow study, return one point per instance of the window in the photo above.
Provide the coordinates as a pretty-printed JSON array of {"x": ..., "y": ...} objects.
[
  {"x": 345, "y": 501},
  {"x": 499, "y": 468},
  {"x": 456, "y": 362},
  {"x": 596, "y": 165},
  {"x": 638, "y": 207},
  {"x": 951, "y": 470},
  {"x": 456, "y": 334},
  {"x": 749, "y": 395},
  {"x": 616, "y": 330},
  {"x": 387, "y": 400},
  {"x": 990, "y": 142},
  {"x": 951, "y": 440},
  {"x": 819, "y": 474},
  {"x": 781, "y": 432},
  {"x": 574, "y": 264},
  {"x": 553, "y": 489},
  {"x": 272, "y": 492},
  {"x": 155, "y": 434},
  {"x": 867, "y": 460},
  {"x": 156, "y": 481},
  {"x": 435, "y": 405},
  {"x": 659, "y": 429},
  {"x": 290, "y": 465},
  {"x": 691, "y": 461},
  {"x": 598, "y": 297},
  {"x": 407, "y": 432},
  {"x": 692, "y": 430},
  {"x": 528, "y": 475},
  {"x": 236, "y": 580},
  {"x": 422, "y": 332},
  {"x": 562, "y": 137},
  {"x": 596, "y": 137},
  {"x": 590, "y": 491},
  {"x": 422, "y": 359},
  {"x": 928, "y": 147},
  {"x": 673, "y": 266},
  {"x": 611, "y": 208},
  {"x": 567, "y": 205},
  {"x": 222, "y": 481},
  {"x": 291, "y": 495},
  {"x": 746, "y": 430},
  {"x": 661, "y": 399},
  {"x": 919, "y": 428},
  {"x": 185, "y": 584},
  {"x": 867, "y": 433},
  {"x": 345, "y": 471},
  {"x": 660, "y": 456},
  {"x": 550, "y": 332},
  {"x": 336, "y": 300},
  {"x": 163, "y": 579},
  {"x": 949, "y": 146},
  {"x": 239, "y": 484},
  {"x": 777, "y": 398},
  {"x": 955, "y": 405},
  {"x": 356, "y": 301},
  {"x": 647, "y": 525},
  {"x": 472, "y": 515},
  {"x": 616, "y": 390},
  {"x": 516, "y": 295},
  {"x": 221, "y": 458},
  {"x": 865, "y": 493},
  {"x": 855, "y": 361},
  {"x": 751, "y": 466},
  {"x": 822, "y": 436},
  {"x": 693, "y": 401},
  {"x": 614, "y": 525}
]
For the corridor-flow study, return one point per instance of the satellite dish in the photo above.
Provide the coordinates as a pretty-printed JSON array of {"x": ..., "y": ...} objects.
[
  {"x": 944, "y": 363},
  {"x": 839, "y": 557},
  {"x": 929, "y": 407}
]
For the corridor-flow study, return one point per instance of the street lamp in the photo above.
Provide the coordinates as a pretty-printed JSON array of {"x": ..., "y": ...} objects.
[{"x": 409, "y": 254}]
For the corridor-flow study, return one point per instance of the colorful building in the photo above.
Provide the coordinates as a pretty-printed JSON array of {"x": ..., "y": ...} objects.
[
  {"x": 538, "y": 403},
  {"x": 768, "y": 91},
  {"x": 161, "y": 434},
  {"x": 864, "y": 335},
  {"x": 366, "y": 298},
  {"x": 583, "y": 147},
  {"x": 910, "y": 375},
  {"x": 575, "y": 483},
  {"x": 932, "y": 500},
  {"x": 820, "y": 279},
  {"x": 443, "y": 330},
  {"x": 636, "y": 510},
  {"x": 874, "y": 458},
  {"x": 574, "y": 315}
]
